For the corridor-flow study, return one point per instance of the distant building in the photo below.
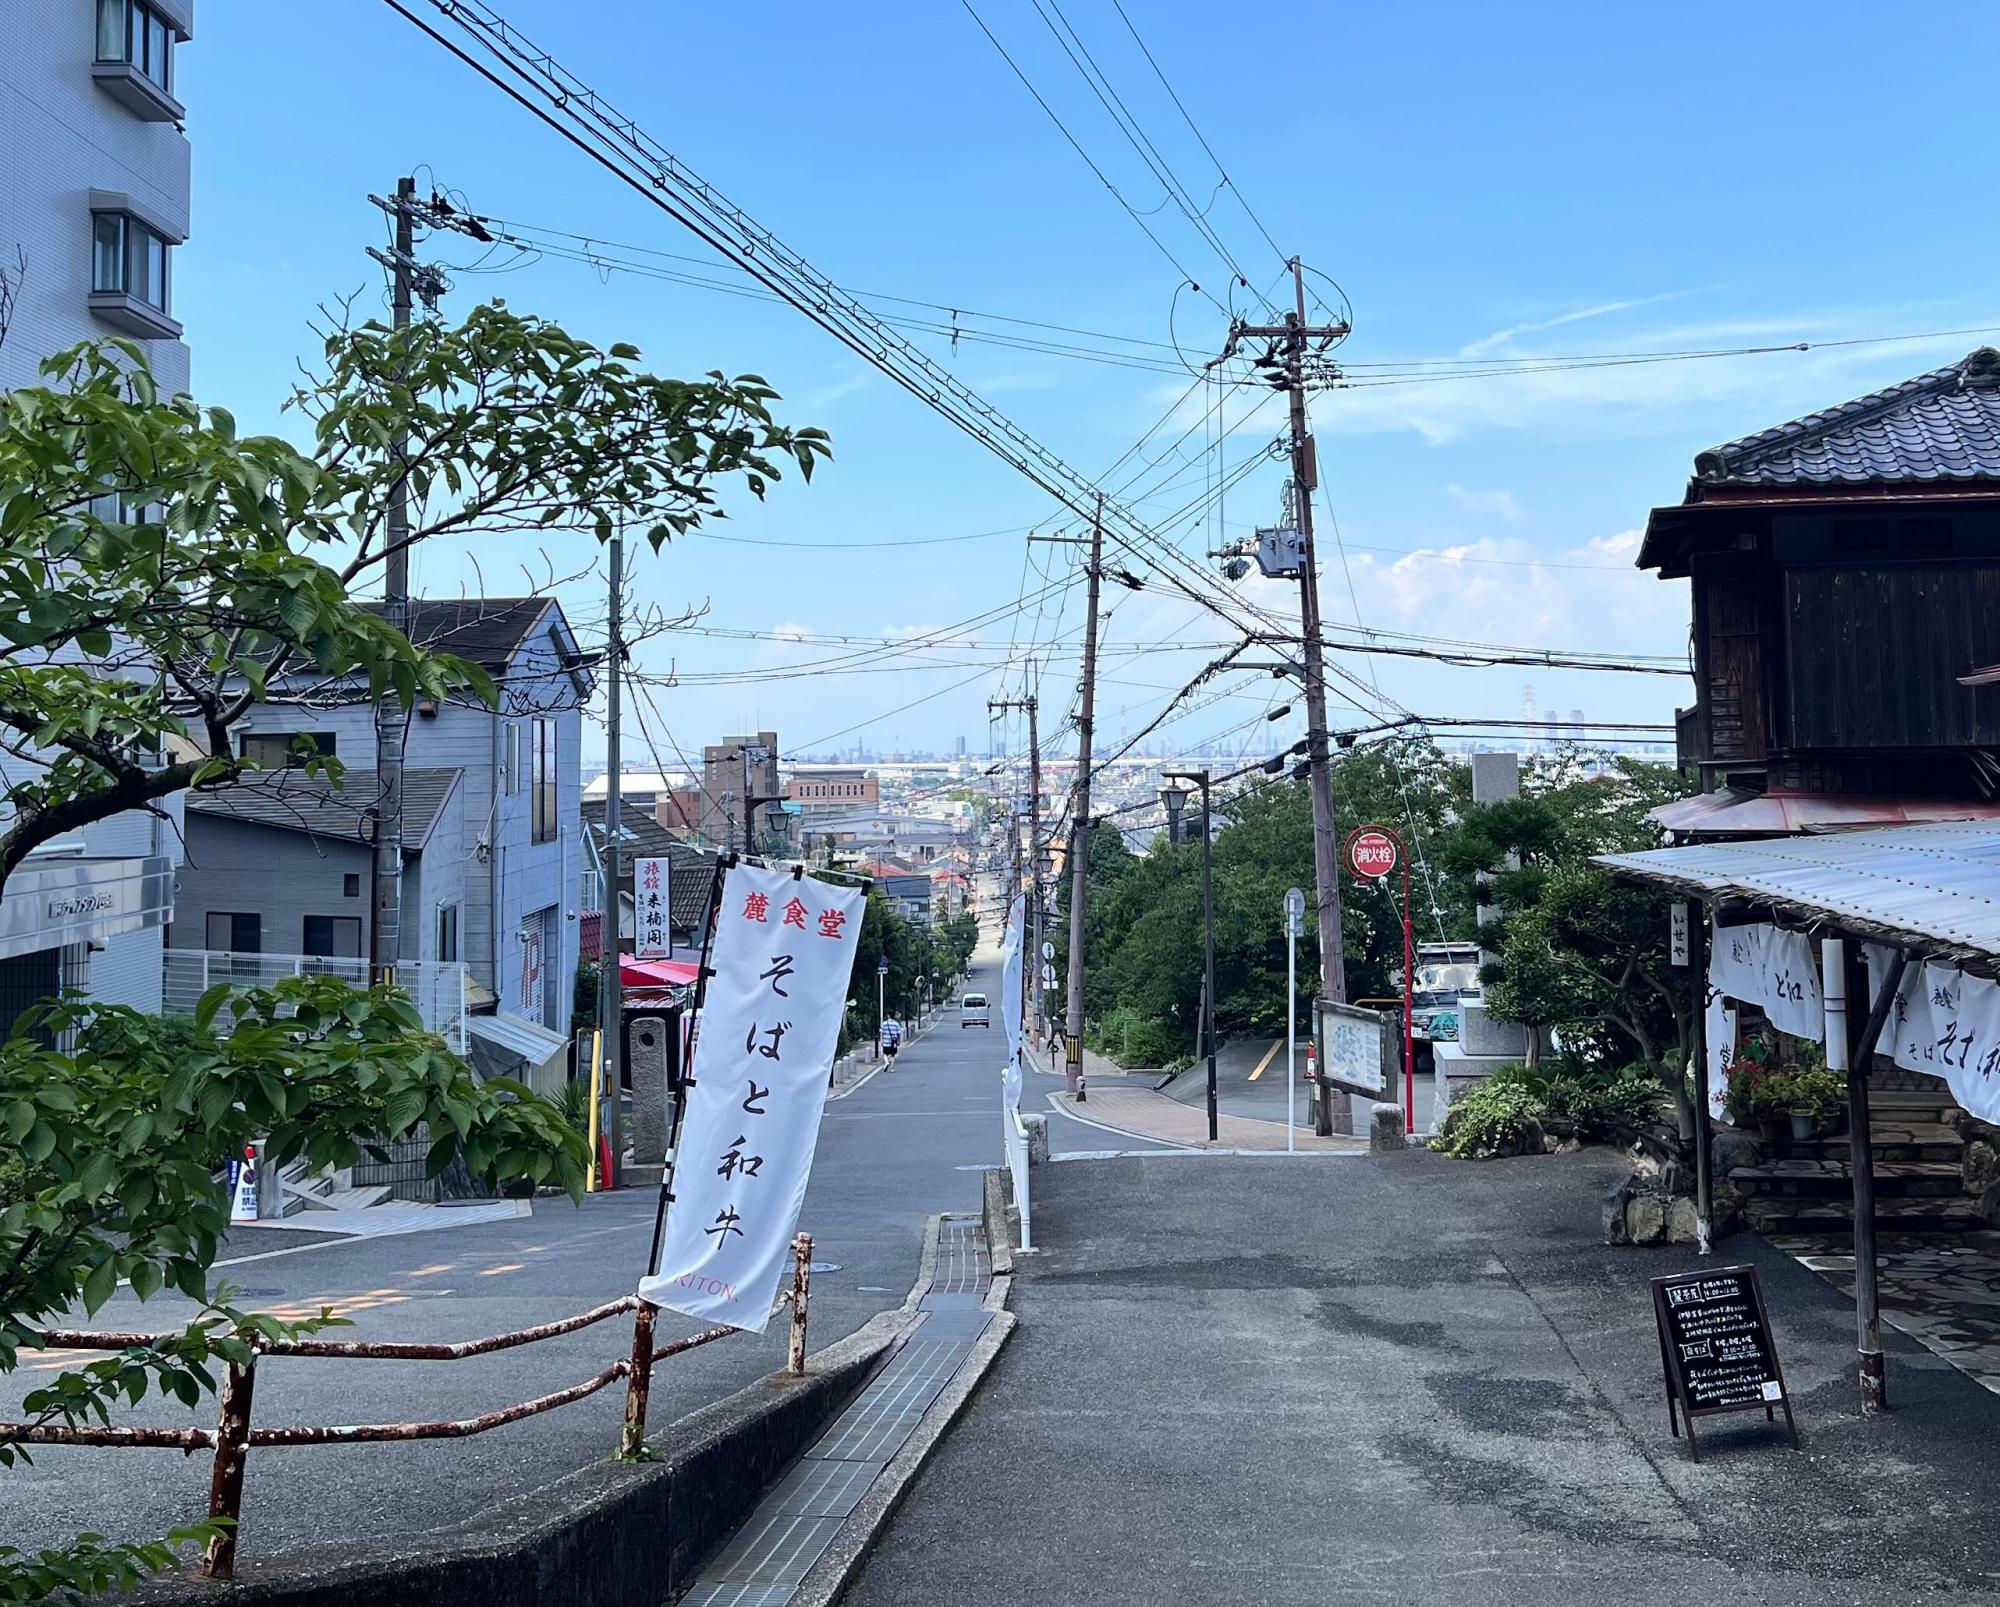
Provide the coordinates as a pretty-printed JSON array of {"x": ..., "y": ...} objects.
[
  {"x": 823, "y": 789},
  {"x": 742, "y": 801},
  {"x": 691, "y": 876},
  {"x": 641, "y": 787}
]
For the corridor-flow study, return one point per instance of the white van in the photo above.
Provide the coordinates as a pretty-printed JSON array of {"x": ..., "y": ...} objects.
[{"x": 972, "y": 1011}]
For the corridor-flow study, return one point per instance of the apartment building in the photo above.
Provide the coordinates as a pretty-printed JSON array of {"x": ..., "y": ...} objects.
[{"x": 94, "y": 200}]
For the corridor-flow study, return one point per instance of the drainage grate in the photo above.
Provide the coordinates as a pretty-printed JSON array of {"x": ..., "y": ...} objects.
[{"x": 799, "y": 1516}]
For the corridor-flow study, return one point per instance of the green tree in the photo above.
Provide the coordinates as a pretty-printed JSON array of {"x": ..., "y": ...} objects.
[
  {"x": 1577, "y": 950},
  {"x": 160, "y": 573},
  {"x": 113, "y": 1149}
]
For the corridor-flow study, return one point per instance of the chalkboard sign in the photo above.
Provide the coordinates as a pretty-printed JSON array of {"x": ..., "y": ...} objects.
[{"x": 1716, "y": 1349}]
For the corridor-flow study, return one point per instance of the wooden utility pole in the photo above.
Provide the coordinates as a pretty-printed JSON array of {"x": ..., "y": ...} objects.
[
  {"x": 1079, "y": 827},
  {"x": 1294, "y": 337},
  {"x": 610, "y": 971},
  {"x": 385, "y": 942}
]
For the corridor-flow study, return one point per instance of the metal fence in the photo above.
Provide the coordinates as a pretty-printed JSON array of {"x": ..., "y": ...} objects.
[
  {"x": 233, "y": 1436},
  {"x": 435, "y": 987}
]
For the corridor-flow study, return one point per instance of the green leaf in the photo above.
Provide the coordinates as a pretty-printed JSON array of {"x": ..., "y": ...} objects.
[
  {"x": 404, "y": 1107},
  {"x": 16, "y": 1120},
  {"x": 100, "y": 1284}
]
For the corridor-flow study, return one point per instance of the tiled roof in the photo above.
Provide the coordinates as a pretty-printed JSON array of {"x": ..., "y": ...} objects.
[
  {"x": 294, "y": 801},
  {"x": 487, "y": 630},
  {"x": 693, "y": 870},
  {"x": 1941, "y": 426}
]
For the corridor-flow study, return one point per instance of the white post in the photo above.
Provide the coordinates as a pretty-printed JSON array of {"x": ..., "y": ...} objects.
[{"x": 1295, "y": 913}]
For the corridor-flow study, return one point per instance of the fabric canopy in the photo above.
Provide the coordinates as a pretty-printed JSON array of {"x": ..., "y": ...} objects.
[{"x": 655, "y": 973}]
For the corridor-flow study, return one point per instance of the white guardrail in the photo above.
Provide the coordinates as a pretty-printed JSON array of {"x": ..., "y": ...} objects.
[{"x": 1014, "y": 1142}]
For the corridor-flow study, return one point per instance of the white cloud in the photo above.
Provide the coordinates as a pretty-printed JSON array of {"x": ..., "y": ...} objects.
[
  {"x": 1506, "y": 337},
  {"x": 792, "y": 633},
  {"x": 1487, "y": 504}
]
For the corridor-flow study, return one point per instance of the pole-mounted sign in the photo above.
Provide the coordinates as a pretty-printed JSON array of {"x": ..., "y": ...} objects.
[{"x": 1371, "y": 852}]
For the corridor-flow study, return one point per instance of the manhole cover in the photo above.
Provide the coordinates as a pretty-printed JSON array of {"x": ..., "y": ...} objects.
[{"x": 826, "y": 1266}]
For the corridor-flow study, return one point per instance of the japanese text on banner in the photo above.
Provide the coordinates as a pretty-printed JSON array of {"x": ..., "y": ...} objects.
[
  {"x": 652, "y": 909},
  {"x": 783, "y": 957}
]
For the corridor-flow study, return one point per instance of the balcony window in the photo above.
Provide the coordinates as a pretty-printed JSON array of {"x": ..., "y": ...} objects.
[
  {"x": 135, "y": 58},
  {"x": 129, "y": 256},
  {"x": 136, "y": 34}
]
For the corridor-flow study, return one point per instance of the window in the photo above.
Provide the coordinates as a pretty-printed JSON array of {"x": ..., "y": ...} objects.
[
  {"x": 510, "y": 757},
  {"x": 129, "y": 257},
  {"x": 333, "y": 936},
  {"x": 350, "y": 884},
  {"x": 285, "y": 750},
  {"x": 238, "y": 934},
  {"x": 545, "y": 781},
  {"x": 132, "y": 32},
  {"x": 447, "y": 932}
]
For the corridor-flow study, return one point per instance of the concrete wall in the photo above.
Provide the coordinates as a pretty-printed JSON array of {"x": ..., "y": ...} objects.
[{"x": 283, "y": 876}]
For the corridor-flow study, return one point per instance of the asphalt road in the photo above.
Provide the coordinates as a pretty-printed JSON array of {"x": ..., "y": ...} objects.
[
  {"x": 898, "y": 1148},
  {"x": 1408, "y": 1379}
]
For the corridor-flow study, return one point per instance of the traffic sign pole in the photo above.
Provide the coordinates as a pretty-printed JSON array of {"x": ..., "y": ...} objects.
[{"x": 1373, "y": 853}]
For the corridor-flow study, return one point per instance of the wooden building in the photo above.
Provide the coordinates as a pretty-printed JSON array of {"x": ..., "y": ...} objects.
[{"x": 1845, "y": 570}]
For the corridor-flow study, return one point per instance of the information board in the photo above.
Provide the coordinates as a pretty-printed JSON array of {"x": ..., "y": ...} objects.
[
  {"x": 1716, "y": 1348},
  {"x": 1356, "y": 1050}
]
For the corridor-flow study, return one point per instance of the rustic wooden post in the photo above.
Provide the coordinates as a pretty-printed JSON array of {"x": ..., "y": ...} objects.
[
  {"x": 1700, "y": 1050},
  {"x": 225, "y": 1485},
  {"x": 802, "y": 1252},
  {"x": 639, "y": 1382},
  {"x": 1858, "y": 1049}
]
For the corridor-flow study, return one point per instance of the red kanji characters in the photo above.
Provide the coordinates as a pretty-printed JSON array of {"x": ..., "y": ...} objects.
[
  {"x": 831, "y": 921},
  {"x": 757, "y": 907},
  {"x": 795, "y": 914}
]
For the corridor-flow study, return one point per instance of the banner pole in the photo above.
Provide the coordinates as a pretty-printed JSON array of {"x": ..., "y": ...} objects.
[{"x": 708, "y": 923}]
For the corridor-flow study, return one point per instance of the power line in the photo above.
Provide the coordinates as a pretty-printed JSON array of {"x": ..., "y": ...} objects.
[{"x": 1135, "y": 215}]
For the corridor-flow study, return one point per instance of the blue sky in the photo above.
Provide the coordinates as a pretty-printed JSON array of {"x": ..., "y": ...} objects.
[{"x": 1483, "y": 181}]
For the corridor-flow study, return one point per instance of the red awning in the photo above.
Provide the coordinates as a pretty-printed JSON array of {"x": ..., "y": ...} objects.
[
  {"x": 655, "y": 973},
  {"x": 1732, "y": 812}
]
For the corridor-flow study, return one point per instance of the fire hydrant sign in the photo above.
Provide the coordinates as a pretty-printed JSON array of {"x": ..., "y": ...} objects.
[
  {"x": 652, "y": 908},
  {"x": 783, "y": 957},
  {"x": 1372, "y": 854}
]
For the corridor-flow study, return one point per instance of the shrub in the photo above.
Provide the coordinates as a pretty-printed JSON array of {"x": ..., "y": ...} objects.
[{"x": 1496, "y": 1118}]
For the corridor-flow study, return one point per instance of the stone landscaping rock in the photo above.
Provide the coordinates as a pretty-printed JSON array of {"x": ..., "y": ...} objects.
[
  {"x": 1646, "y": 1219},
  {"x": 1683, "y": 1221}
]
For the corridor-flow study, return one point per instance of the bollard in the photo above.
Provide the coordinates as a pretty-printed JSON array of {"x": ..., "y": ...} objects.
[
  {"x": 1385, "y": 1129},
  {"x": 639, "y": 1382},
  {"x": 802, "y": 1254},
  {"x": 1038, "y": 1138},
  {"x": 225, "y": 1485}
]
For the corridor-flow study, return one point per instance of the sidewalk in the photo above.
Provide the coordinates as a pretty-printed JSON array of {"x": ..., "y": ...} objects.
[
  {"x": 1409, "y": 1379},
  {"x": 1145, "y": 1113}
]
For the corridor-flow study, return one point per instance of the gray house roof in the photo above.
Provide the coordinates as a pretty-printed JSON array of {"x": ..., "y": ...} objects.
[
  {"x": 294, "y": 801},
  {"x": 1941, "y": 426},
  {"x": 693, "y": 870}
]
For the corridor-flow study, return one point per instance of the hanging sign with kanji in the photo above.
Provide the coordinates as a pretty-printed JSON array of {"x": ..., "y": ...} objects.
[
  {"x": 783, "y": 958},
  {"x": 1371, "y": 853},
  {"x": 652, "y": 909}
]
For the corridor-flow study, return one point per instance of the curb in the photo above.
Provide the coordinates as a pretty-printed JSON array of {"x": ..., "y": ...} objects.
[{"x": 837, "y": 1565}]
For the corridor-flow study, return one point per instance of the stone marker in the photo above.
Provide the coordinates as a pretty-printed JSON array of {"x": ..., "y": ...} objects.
[
  {"x": 1385, "y": 1129},
  {"x": 648, "y": 1039},
  {"x": 1038, "y": 1138}
]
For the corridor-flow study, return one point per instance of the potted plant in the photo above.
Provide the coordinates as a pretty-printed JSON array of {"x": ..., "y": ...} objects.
[
  {"x": 1811, "y": 1093},
  {"x": 1753, "y": 1099}
]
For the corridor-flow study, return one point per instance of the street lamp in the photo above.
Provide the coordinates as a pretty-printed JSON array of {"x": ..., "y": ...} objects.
[
  {"x": 1200, "y": 779},
  {"x": 1175, "y": 799}
]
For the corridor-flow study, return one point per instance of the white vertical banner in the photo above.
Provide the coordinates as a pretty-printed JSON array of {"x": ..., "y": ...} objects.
[
  {"x": 1773, "y": 969},
  {"x": 783, "y": 958},
  {"x": 1720, "y": 1043},
  {"x": 1010, "y": 996},
  {"x": 652, "y": 908}
]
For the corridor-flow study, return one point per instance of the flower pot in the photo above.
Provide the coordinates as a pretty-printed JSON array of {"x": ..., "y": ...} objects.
[
  {"x": 1803, "y": 1122},
  {"x": 1772, "y": 1129}
]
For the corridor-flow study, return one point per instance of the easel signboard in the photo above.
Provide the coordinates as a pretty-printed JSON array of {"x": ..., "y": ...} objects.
[{"x": 1716, "y": 1349}]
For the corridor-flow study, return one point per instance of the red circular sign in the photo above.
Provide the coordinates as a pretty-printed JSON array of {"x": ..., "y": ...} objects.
[{"x": 1372, "y": 854}]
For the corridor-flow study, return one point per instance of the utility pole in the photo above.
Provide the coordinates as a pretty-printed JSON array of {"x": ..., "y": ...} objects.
[
  {"x": 611, "y": 979},
  {"x": 1031, "y": 883},
  {"x": 391, "y": 718},
  {"x": 1079, "y": 828},
  {"x": 1295, "y": 336}
]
